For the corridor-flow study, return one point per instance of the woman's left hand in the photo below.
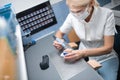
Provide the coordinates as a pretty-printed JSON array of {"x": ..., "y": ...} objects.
[{"x": 73, "y": 55}]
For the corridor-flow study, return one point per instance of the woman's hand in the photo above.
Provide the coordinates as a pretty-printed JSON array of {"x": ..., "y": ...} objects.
[
  {"x": 57, "y": 45},
  {"x": 73, "y": 55}
]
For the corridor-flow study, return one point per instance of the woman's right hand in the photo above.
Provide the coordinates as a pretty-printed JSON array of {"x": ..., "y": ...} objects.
[{"x": 57, "y": 45}]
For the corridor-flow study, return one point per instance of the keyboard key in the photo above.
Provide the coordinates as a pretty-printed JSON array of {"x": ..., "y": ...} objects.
[{"x": 36, "y": 18}]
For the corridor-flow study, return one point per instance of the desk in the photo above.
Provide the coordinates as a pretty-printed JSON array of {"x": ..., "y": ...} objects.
[{"x": 44, "y": 46}]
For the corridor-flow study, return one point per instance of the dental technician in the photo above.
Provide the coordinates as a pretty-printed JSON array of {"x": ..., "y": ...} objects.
[{"x": 95, "y": 26}]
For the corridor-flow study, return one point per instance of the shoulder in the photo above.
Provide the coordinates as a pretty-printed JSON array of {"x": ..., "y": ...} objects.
[
  {"x": 105, "y": 11},
  {"x": 70, "y": 18}
]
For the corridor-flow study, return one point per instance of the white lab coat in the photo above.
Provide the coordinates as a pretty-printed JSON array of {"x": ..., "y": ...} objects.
[{"x": 91, "y": 34}]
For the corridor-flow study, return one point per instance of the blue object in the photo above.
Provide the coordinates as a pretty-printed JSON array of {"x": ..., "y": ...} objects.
[
  {"x": 109, "y": 69},
  {"x": 63, "y": 43},
  {"x": 10, "y": 23},
  {"x": 27, "y": 40},
  {"x": 65, "y": 53}
]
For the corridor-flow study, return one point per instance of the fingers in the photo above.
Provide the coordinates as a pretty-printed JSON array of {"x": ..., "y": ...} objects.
[
  {"x": 68, "y": 50},
  {"x": 69, "y": 56},
  {"x": 72, "y": 56},
  {"x": 57, "y": 45}
]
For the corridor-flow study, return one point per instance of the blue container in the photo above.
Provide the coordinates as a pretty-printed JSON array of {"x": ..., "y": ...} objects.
[{"x": 9, "y": 28}]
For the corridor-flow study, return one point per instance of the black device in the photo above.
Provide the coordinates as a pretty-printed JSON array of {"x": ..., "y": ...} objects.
[
  {"x": 45, "y": 62},
  {"x": 117, "y": 28},
  {"x": 36, "y": 18}
]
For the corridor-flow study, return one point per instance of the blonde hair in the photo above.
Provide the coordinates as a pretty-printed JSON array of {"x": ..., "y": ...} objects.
[
  {"x": 82, "y": 2},
  {"x": 95, "y": 3}
]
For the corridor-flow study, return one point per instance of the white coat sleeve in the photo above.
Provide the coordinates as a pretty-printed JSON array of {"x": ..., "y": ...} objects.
[
  {"x": 66, "y": 27},
  {"x": 110, "y": 25}
]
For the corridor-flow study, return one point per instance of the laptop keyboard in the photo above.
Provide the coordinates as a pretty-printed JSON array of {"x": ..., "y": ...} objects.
[{"x": 36, "y": 18}]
